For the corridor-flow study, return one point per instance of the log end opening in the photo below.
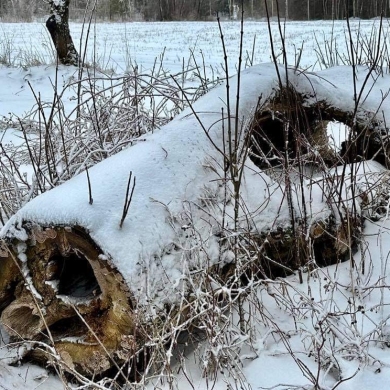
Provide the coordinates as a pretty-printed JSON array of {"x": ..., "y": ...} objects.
[
  {"x": 68, "y": 294},
  {"x": 290, "y": 137},
  {"x": 289, "y": 119},
  {"x": 307, "y": 136}
]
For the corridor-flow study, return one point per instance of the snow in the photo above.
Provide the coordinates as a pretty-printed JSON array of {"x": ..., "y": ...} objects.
[
  {"x": 337, "y": 134},
  {"x": 27, "y": 376},
  {"x": 16, "y": 97},
  {"x": 172, "y": 182},
  {"x": 270, "y": 365},
  {"x": 59, "y": 3}
]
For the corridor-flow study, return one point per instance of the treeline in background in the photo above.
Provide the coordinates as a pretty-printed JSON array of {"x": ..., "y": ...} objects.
[{"x": 161, "y": 10}]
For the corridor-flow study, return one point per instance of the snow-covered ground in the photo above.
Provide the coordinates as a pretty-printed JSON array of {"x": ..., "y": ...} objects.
[
  {"x": 336, "y": 322},
  {"x": 120, "y": 46},
  {"x": 179, "y": 45}
]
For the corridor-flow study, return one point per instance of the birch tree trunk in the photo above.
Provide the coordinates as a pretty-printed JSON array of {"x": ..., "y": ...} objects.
[{"x": 58, "y": 26}]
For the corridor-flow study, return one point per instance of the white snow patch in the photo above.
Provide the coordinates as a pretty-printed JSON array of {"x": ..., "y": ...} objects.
[{"x": 337, "y": 134}]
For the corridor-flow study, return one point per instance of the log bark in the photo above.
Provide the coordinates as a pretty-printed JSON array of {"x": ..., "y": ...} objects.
[{"x": 58, "y": 26}]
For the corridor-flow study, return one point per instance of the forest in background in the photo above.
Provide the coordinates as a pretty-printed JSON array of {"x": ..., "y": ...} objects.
[{"x": 166, "y": 10}]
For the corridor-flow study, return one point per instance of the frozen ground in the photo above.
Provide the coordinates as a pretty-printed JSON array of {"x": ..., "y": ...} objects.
[{"x": 119, "y": 48}]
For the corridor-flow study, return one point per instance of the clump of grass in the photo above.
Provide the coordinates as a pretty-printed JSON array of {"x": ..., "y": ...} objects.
[
  {"x": 366, "y": 49},
  {"x": 6, "y": 50},
  {"x": 28, "y": 56}
]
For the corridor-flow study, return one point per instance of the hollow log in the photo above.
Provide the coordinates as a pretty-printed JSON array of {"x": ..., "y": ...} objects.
[{"x": 78, "y": 276}]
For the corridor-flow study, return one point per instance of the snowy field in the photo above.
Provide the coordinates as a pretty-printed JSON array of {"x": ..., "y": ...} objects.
[
  {"x": 119, "y": 47},
  {"x": 352, "y": 350},
  {"x": 177, "y": 46}
]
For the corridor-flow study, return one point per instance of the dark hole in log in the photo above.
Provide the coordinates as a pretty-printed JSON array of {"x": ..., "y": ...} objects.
[
  {"x": 76, "y": 277},
  {"x": 8, "y": 295},
  {"x": 267, "y": 142},
  {"x": 268, "y": 146},
  {"x": 324, "y": 253},
  {"x": 307, "y": 131},
  {"x": 71, "y": 328},
  {"x": 68, "y": 327}
]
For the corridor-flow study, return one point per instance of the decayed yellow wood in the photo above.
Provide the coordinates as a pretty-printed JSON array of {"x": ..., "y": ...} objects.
[{"x": 91, "y": 332}]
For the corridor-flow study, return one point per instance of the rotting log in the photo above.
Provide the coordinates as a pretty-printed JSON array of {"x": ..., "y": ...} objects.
[
  {"x": 326, "y": 243},
  {"x": 73, "y": 275},
  {"x": 67, "y": 294}
]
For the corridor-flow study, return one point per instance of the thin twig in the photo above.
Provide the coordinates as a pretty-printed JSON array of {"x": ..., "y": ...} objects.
[
  {"x": 89, "y": 187},
  {"x": 127, "y": 199}
]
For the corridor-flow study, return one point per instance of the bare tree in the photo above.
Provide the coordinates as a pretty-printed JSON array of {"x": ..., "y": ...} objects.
[{"x": 58, "y": 26}]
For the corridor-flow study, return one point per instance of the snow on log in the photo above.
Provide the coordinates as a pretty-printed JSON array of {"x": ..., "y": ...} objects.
[{"x": 77, "y": 274}]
